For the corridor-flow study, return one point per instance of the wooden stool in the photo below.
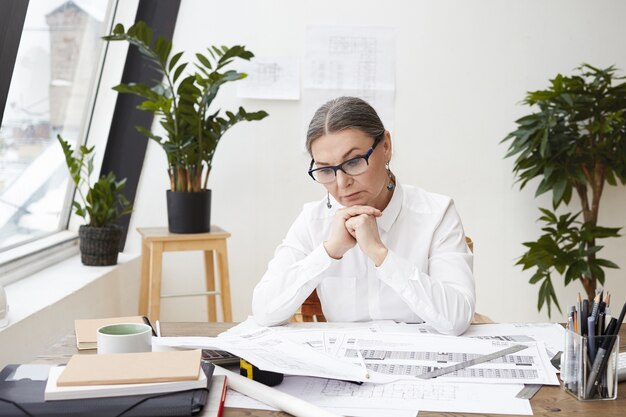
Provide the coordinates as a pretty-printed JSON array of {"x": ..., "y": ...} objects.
[{"x": 156, "y": 240}]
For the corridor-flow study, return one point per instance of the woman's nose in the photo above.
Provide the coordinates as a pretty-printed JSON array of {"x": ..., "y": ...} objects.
[{"x": 343, "y": 179}]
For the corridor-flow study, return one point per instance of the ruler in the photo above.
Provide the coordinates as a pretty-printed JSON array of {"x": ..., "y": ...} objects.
[
  {"x": 472, "y": 362},
  {"x": 528, "y": 391}
]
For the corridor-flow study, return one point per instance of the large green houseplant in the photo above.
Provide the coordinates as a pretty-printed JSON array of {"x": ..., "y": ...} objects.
[
  {"x": 100, "y": 204},
  {"x": 182, "y": 103},
  {"x": 575, "y": 142}
]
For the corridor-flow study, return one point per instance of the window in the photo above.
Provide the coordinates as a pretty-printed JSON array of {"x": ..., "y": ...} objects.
[
  {"x": 60, "y": 80},
  {"x": 52, "y": 92}
]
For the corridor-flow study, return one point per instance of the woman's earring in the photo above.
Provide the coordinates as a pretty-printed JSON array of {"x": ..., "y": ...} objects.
[
  {"x": 328, "y": 201},
  {"x": 391, "y": 184}
]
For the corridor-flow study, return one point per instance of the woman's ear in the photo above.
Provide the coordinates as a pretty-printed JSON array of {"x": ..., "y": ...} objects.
[{"x": 387, "y": 147}]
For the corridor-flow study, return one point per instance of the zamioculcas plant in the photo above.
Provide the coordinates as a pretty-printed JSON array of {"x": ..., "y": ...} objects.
[{"x": 192, "y": 129}]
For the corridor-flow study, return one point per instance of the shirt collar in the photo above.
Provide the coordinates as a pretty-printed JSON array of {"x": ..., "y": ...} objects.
[{"x": 391, "y": 212}]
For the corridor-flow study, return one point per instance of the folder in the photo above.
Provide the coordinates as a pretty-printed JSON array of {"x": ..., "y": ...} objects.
[{"x": 24, "y": 397}]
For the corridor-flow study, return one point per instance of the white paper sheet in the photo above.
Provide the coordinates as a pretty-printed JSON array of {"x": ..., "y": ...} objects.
[
  {"x": 393, "y": 353},
  {"x": 235, "y": 399},
  {"x": 405, "y": 356},
  {"x": 350, "y": 61},
  {"x": 269, "y": 350},
  {"x": 285, "y": 402},
  {"x": 270, "y": 78},
  {"x": 409, "y": 395},
  {"x": 553, "y": 335},
  {"x": 388, "y": 356},
  {"x": 238, "y": 400}
]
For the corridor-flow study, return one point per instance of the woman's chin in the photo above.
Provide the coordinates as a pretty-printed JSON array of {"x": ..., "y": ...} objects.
[{"x": 356, "y": 201}]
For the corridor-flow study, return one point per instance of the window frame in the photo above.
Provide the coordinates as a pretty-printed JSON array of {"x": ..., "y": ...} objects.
[{"x": 109, "y": 131}]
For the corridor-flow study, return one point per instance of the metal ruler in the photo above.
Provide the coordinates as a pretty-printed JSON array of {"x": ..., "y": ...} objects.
[
  {"x": 471, "y": 362},
  {"x": 528, "y": 391}
]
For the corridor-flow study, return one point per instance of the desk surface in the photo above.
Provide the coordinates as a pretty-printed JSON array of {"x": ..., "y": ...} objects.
[{"x": 549, "y": 401}]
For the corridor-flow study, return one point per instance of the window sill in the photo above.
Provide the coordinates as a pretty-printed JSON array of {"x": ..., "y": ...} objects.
[
  {"x": 43, "y": 307},
  {"x": 29, "y": 258}
]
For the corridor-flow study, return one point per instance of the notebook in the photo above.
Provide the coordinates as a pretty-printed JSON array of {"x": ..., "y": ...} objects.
[
  {"x": 131, "y": 368},
  {"x": 86, "y": 329}
]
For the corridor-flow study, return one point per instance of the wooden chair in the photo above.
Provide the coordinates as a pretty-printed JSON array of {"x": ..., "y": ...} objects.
[{"x": 311, "y": 309}]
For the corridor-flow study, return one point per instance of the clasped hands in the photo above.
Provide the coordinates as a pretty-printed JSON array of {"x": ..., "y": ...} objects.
[{"x": 356, "y": 225}]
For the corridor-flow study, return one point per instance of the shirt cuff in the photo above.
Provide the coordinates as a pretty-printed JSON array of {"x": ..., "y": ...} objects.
[
  {"x": 395, "y": 271},
  {"x": 317, "y": 262}
]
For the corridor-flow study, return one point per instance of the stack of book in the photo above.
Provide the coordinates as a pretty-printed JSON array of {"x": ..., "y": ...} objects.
[
  {"x": 141, "y": 384},
  {"x": 98, "y": 376}
]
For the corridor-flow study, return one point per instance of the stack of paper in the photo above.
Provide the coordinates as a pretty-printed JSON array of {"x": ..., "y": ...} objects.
[{"x": 396, "y": 353}]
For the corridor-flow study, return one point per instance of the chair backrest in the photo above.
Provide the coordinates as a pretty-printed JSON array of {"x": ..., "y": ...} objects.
[{"x": 311, "y": 309}]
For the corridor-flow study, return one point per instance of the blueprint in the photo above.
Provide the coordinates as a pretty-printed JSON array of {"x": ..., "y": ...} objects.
[{"x": 387, "y": 357}]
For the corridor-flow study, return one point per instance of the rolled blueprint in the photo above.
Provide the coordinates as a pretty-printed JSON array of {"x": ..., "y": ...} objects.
[{"x": 271, "y": 396}]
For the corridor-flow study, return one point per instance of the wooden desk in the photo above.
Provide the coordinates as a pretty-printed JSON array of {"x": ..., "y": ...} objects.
[
  {"x": 548, "y": 402},
  {"x": 156, "y": 240}
]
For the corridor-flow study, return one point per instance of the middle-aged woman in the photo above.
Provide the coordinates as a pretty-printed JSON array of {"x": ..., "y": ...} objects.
[{"x": 373, "y": 248}]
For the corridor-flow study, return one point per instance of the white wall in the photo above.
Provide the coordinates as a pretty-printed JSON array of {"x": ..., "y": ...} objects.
[
  {"x": 43, "y": 306},
  {"x": 462, "y": 68}
]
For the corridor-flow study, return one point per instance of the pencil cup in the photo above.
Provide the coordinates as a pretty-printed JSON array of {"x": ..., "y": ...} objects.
[{"x": 589, "y": 366}]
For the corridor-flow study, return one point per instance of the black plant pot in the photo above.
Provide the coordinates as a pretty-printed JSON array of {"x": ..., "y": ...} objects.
[
  {"x": 99, "y": 246},
  {"x": 189, "y": 212}
]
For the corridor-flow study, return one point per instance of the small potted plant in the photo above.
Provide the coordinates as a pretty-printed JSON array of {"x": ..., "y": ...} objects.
[
  {"x": 192, "y": 130},
  {"x": 99, "y": 205}
]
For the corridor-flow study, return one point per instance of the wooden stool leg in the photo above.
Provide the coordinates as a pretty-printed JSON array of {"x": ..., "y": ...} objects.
[
  {"x": 156, "y": 259},
  {"x": 224, "y": 282},
  {"x": 144, "y": 284},
  {"x": 209, "y": 273}
]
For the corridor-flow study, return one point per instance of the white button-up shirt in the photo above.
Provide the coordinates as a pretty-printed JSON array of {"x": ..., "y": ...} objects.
[{"x": 426, "y": 276}]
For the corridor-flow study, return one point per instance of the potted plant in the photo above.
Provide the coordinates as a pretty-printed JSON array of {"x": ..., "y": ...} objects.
[
  {"x": 99, "y": 205},
  {"x": 575, "y": 142},
  {"x": 192, "y": 130}
]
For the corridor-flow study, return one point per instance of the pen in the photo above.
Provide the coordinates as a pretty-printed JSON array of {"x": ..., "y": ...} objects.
[
  {"x": 578, "y": 315},
  {"x": 583, "y": 317},
  {"x": 358, "y": 353},
  {"x": 600, "y": 324},
  {"x": 591, "y": 339}
]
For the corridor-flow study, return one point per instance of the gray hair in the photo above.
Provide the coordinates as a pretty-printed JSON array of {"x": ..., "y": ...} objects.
[{"x": 344, "y": 113}]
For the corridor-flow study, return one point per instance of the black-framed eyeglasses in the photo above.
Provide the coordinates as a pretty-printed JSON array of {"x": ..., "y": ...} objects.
[{"x": 353, "y": 166}]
